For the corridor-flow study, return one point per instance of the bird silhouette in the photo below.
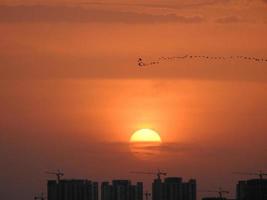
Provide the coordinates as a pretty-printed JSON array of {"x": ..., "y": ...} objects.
[{"x": 161, "y": 59}]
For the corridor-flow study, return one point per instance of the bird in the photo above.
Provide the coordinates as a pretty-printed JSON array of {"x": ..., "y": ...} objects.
[{"x": 140, "y": 62}]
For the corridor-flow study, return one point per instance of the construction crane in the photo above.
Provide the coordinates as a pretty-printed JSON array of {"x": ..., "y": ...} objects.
[
  {"x": 158, "y": 173},
  {"x": 261, "y": 174},
  {"x": 220, "y": 192},
  {"x": 40, "y": 197},
  {"x": 147, "y": 195},
  {"x": 58, "y": 173}
]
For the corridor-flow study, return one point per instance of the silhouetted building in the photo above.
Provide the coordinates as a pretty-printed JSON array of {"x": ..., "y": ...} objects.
[
  {"x": 173, "y": 188},
  {"x": 213, "y": 198},
  {"x": 254, "y": 189},
  {"x": 72, "y": 190},
  {"x": 216, "y": 198},
  {"x": 121, "y": 190}
]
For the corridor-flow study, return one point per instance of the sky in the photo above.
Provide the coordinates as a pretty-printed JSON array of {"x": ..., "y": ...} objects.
[{"x": 71, "y": 93}]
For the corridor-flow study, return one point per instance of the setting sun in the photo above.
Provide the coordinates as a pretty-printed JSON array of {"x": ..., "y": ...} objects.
[{"x": 145, "y": 135}]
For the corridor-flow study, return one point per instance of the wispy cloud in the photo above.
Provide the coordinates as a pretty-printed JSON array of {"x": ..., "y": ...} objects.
[
  {"x": 178, "y": 5},
  {"x": 229, "y": 19},
  {"x": 55, "y": 14},
  {"x": 164, "y": 147}
]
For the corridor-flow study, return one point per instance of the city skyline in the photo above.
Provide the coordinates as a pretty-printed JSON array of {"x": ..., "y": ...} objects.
[{"x": 167, "y": 188}]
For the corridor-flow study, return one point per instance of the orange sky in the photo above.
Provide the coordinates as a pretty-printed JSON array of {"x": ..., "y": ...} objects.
[{"x": 71, "y": 93}]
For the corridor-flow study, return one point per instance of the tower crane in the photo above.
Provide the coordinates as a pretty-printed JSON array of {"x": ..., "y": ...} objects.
[
  {"x": 158, "y": 173},
  {"x": 220, "y": 192},
  {"x": 261, "y": 174},
  {"x": 58, "y": 173},
  {"x": 39, "y": 197}
]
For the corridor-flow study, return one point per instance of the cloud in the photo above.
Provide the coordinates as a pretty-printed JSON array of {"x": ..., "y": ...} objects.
[
  {"x": 229, "y": 20},
  {"x": 164, "y": 147},
  {"x": 163, "y": 6},
  {"x": 53, "y": 14}
]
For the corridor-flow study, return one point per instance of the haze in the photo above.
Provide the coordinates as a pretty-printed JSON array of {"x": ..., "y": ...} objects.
[{"x": 71, "y": 93}]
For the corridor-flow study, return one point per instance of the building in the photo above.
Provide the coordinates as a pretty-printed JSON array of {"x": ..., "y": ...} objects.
[
  {"x": 121, "y": 190},
  {"x": 216, "y": 198},
  {"x": 213, "y": 198},
  {"x": 253, "y": 189},
  {"x": 72, "y": 190},
  {"x": 173, "y": 188}
]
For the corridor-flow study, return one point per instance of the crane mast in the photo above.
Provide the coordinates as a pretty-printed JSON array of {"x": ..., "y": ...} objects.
[
  {"x": 158, "y": 173},
  {"x": 58, "y": 174},
  {"x": 260, "y": 174},
  {"x": 220, "y": 192}
]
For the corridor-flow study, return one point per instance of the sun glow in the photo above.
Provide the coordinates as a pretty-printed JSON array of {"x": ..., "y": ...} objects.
[{"x": 145, "y": 135}]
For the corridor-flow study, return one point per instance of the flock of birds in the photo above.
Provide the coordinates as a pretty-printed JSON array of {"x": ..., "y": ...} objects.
[{"x": 141, "y": 63}]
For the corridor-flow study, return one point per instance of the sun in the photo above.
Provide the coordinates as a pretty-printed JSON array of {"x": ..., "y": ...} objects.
[{"x": 145, "y": 135}]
